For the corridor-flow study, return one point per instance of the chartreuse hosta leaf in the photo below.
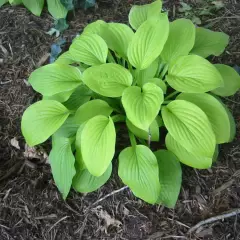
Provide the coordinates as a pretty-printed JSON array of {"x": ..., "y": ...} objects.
[
  {"x": 62, "y": 164},
  {"x": 231, "y": 81},
  {"x": 3, "y": 2},
  {"x": 41, "y": 120},
  {"x": 56, "y": 9},
  {"x": 15, "y": 2},
  {"x": 170, "y": 177},
  {"x": 148, "y": 41},
  {"x": 55, "y": 78},
  {"x": 94, "y": 27},
  {"x": 189, "y": 125},
  {"x": 139, "y": 14},
  {"x": 98, "y": 140},
  {"x": 34, "y": 6},
  {"x": 208, "y": 42},
  {"x": 159, "y": 82},
  {"x": 65, "y": 58},
  {"x": 215, "y": 112},
  {"x": 193, "y": 74},
  {"x": 91, "y": 109},
  {"x": 153, "y": 132},
  {"x": 138, "y": 169},
  {"x": 81, "y": 95},
  {"x": 60, "y": 97},
  {"x": 142, "y": 104},
  {"x": 186, "y": 157},
  {"x": 180, "y": 40},
  {"x": 117, "y": 36},
  {"x": 147, "y": 73},
  {"x": 108, "y": 79},
  {"x": 85, "y": 182},
  {"x": 90, "y": 49}
]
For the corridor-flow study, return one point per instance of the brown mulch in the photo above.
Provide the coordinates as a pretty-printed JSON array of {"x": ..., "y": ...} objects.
[{"x": 30, "y": 204}]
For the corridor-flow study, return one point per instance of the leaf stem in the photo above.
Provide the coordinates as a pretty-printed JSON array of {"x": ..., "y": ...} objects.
[
  {"x": 166, "y": 102},
  {"x": 164, "y": 71},
  {"x": 171, "y": 95},
  {"x": 132, "y": 139},
  {"x": 110, "y": 57}
]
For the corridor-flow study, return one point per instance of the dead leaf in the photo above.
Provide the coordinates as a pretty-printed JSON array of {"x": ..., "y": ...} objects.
[
  {"x": 218, "y": 4},
  {"x": 32, "y": 152},
  {"x": 108, "y": 220},
  {"x": 14, "y": 142},
  {"x": 185, "y": 7}
]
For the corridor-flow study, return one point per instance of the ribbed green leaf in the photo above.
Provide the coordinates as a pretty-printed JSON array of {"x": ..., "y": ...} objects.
[
  {"x": 215, "y": 112},
  {"x": 41, "y": 120},
  {"x": 90, "y": 49},
  {"x": 186, "y": 157},
  {"x": 170, "y": 177},
  {"x": 35, "y": 6},
  {"x": 148, "y": 41},
  {"x": 231, "y": 81},
  {"x": 94, "y": 27},
  {"x": 193, "y": 74},
  {"x": 98, "y": 140},
  {"x": 65, "y": 58},
  {"x": 60, "y": 97},
  {"x": 139, "y": 14},
  {"x": 138, "y": 169},
  {"x": 189, "y": 125},
  {"x": 56, "y": 9},
  {"x": 62, "y": 162},
  {"x": 142, "y": 104},
  {"x": 208, "y": 42},
  {"x": 91, "y": 109},
  {"x": 108, "y": 79},
  {"x": 81, "y": 95},
  {"x": 2, "y": 2},
  {"x": 159, "y": 82},
  {"x": 152, "y": 134},
  {"x": 55, "y": 78},
  {"x": 117, "y": 36},
  {"x": 180, "y": 40},
  {"x": 85, "y": 182}
]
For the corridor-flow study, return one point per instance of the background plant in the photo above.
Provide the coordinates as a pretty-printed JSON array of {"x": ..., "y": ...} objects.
[
  {"x": 153, "y": 75},
  {"x": 57, "y": 8}
]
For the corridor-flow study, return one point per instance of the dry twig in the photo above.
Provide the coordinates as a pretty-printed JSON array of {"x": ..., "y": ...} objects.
[{"x": 227, "y": 214}]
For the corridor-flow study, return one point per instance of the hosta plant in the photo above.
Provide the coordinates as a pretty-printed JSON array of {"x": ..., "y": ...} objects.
[{"x": 143, "y": 78}]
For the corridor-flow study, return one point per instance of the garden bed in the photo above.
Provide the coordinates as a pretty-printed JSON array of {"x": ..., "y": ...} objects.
[{"x": 30, "y": 204}]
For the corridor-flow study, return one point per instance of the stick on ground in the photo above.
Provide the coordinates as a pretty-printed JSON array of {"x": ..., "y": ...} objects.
[{"x": 227, "y": 214}]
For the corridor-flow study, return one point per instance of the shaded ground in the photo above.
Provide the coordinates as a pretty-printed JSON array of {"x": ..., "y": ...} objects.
[{"x": 30, "y": 205}]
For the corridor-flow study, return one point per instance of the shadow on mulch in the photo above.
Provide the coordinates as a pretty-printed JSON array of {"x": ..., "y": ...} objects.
[{"x": 31, "y": 206}]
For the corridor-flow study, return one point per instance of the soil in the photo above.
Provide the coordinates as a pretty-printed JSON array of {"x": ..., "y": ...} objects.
[{"x": 30, "y": 204}]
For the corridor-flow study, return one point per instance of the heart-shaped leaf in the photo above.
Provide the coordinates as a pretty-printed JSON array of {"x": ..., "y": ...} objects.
[
  {"x": 180, "y": 40},
  {"x": 231, "y": 81},
  {"x": 55, "y": 78},
  {"x": 41, "y": 120},
  {"x": 56, "y": 9},
  {"x": 208, "y": 42},
  {"x": 138, "y": 169},
  {"x": 98, "y": 140},
  {"x": 34, "y": 6},
  {"x": 109, "y": 80},
  {"x": 189, "y": 125},
  {"x": 215, "y": 112},
  {"x": 90, "y": 49},
  {"x": 62, "y": 162},
  {"x": 139, "y": 14},
  {"x": 148, "y": 41},
  {"x": 186, "y": 157},
  {"x": 170, "y": 177},
  {"x": 85, "y": 182},
  {"x": 159, "y": 82},
  {"x": 60, "y": 97},
  {"x": 142, "y": 105},
  {"x": 65, "y": 59},
  {"x": 91, "y": 109},
  {"x": 193, "y": 74},
  {"x": 152, "y": 134},
  {"x": 117, "y": 36}
]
